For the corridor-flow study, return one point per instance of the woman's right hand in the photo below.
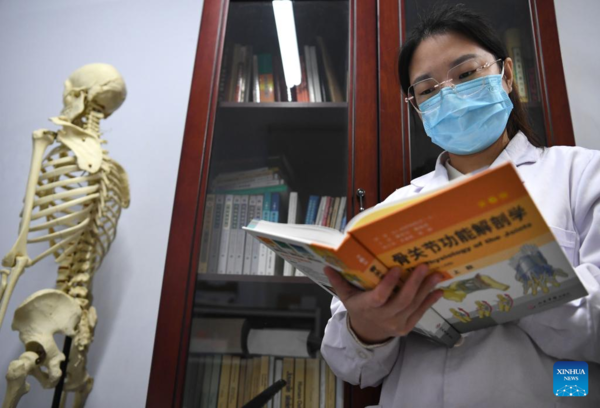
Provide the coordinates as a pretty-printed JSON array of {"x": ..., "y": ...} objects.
[{"x": 378, "y": 314}]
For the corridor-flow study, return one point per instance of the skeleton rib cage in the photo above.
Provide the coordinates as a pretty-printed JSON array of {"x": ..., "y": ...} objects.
[{"x": 76, "y": 212}]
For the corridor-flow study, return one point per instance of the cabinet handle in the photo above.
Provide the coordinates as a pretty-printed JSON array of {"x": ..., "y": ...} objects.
[{"x": 360, "y": 193}]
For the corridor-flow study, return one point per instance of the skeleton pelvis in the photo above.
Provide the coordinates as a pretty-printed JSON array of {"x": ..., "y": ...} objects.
[{"x": 37, "y": 319}]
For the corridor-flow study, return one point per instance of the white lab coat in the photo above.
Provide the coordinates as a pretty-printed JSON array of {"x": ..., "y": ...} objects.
[{"x": 509, "y": 365}]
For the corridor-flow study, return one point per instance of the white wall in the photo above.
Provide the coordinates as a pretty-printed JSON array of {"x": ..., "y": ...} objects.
[
  {"x": 153, "y": 44},
  {"x": 579, "y": 33}
]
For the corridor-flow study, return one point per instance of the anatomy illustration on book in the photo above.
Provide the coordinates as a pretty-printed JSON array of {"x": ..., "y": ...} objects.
[{"x": 73, "y": 200}]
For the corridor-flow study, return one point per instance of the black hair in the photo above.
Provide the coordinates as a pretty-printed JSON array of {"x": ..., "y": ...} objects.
[{"x": 460, "y": 20}]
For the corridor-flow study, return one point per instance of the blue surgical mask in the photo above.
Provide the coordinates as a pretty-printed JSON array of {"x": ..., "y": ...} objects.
[{"x": 467, "y": 125}]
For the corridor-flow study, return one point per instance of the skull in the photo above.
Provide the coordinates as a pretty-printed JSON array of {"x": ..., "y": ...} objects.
[
  {"x": 100, "y": 84},
  {"x": 37, "y": 319}
]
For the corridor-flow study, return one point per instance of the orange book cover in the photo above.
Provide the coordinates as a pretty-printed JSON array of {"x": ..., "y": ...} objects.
[
  {"x": 265, "y": 78},
  {"x": 483, "y": 232}
]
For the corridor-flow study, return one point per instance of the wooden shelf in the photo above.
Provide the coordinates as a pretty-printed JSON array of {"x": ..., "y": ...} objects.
[
  {"x": 213, "y": 277},
  {"x": 283, "y": 105}
]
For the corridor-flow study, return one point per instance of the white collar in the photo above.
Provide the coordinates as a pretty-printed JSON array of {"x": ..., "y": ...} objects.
[{"x": 519, "y": 151}]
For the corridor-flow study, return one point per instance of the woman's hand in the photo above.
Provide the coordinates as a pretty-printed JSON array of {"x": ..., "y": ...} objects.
[{"x": 378, "y": 314}]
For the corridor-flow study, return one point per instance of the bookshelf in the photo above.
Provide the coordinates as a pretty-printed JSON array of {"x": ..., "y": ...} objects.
[{"x": 365, "y": 140}]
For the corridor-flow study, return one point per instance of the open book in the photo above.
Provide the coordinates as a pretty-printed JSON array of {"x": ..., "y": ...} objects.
[{"x": 482, "y": 232}]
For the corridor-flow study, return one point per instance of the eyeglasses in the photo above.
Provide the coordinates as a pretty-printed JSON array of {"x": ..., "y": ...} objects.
[{"x": 466, "y": 71}]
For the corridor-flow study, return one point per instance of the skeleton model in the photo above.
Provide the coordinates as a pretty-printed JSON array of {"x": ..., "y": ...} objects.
[{"x": 74, "y": 197}]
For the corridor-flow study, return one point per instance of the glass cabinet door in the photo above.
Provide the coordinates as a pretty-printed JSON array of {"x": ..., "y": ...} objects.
[
  {"x": 279, "y": 152},
  {"x": 513, "y": 21}
]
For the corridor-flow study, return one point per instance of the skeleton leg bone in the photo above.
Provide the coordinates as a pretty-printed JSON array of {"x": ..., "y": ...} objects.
[
  {"x": 17, "y": 386},
  {"x": 82, "y": 394}
]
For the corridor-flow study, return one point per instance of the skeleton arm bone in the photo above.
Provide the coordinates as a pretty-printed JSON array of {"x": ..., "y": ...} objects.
[
  {"x": 42, "y": 138},
  {"x": 17, "y": 258}
]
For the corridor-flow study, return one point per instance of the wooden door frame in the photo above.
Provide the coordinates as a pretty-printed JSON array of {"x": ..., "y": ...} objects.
[
  {"x": 169, "y": 358},
  {"x": 165, "y": 387}
]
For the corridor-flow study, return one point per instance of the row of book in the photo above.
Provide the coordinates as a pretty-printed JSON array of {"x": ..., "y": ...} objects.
[
  {"x": 325, "y": 211},
  {"x": 225, "y": 246},
  {"x": 237, "y": 198},
  {"x": 250, "y": 77},
  {"x": 225, "y": 249},
  {"x": 230, "y": 381}
]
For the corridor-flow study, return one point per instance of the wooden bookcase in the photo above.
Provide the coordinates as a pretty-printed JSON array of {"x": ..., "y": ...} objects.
[{"x": 334, "y": 148}]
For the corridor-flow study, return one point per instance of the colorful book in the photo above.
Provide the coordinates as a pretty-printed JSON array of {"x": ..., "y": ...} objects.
[
  {"x": 273, "y": 217},
  {"x": 225, "y": 68},
  {"x": 213, "y": 392},
  {"x": 299, "y": 384},
  {"x": 242, "y": 381},
  {"x": 315, "y": 72},
  {"x": 256, "y": 376},
  {"x": 248, "y": 387},
  {"x": 225, "y": 230},
  {"x": 232, "y": 73},
  {"x": 191, "y": 381},
  {"x": 206, "y": 381},
  {"x": 292, "y": 218},
  {"x": 234, "y": 176},
  {"x": 341, "y": 214},
  {"x": 209, "y": 212},
  {"x": 309, "y": 74},
  {"x": 215, "y": 236},
  {"x": 498, "y": 258},
  {"x": 326, "y": 211},
  {"x": 321, "y": 211},
  {"x": 330, "y": 387},
  {"x": 256, "y": 245},
  {"x": 334, "y": 210},
  {"x": 247, "y": 264},
  {"x": 224, "y": 382},
  {"x": 263, "y": 383},
  {"x": 241, "y": 75},
  {"x": 277, "y": 376},
  {"x": 339, "y": 393},
  {"x": 311, "y": 211},
  {"x": 264, "y": 251},
  {"x": 234, "y": 231},
  {"x": 271, "y": 373},
  {"x": 287, "y": 395},
  {"x": 265, "y": 78},
  {"x": 255, "y": 190},
  {"x": 248, "y": 64},
  {"x": 311, "y": 399},
  {"x": 234, "y": 379},
  {"x": 335, "y": 91},
  {"x": 241, "y": 236},
  {"x": 255, "y": 80},
  {"x": 322, "y": 383}
]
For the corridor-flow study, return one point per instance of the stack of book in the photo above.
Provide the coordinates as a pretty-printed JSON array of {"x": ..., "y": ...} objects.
[
  {"x": 230, "y": 381},
  {"x": 249, "y": 77}
]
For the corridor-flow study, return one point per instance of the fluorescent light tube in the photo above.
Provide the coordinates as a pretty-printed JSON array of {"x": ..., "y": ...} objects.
[{"x": 288, "y": 43}]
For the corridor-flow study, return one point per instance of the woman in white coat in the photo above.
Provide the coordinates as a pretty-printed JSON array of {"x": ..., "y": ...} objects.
[{"x": 455, "y": 72}]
